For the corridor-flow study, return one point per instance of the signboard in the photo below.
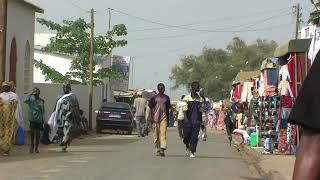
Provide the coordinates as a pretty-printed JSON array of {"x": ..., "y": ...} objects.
[{"x": 122, "y": 64}]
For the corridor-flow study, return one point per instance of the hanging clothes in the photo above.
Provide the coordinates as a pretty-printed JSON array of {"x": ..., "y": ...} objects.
[
  {"x": 269, "y": 90},
  {"x": 284, "y": 87},
  {"x": 237, "y": 91},
  {"x": 306, "y": 108},
  {"x": 315, "y": 45},
  {"x": 246, "y": 94},
  {"x": 261, "y": 85},
  {"x": 291, "y": 70},
  {"x": 272, "y": 76}
]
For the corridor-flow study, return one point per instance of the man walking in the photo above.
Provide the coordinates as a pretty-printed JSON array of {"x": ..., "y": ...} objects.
[
  {"x": 193, "y": 120},
  {"x": 160, "y": 106},
  {"x": 66, "y": 116},
  {"x": 139, "y": 106},
  {"x": 181, "y": 108},
  {"x": 10, "y": 117},
  {"x": 36, "y": 117}
]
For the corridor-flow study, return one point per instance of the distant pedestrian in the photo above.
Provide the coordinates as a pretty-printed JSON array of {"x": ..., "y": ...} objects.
[
  {"x": 181, "y": 108},
  {"x": 206, "y": 107},
  {"x": 139, "y": 106},
  {"x": 36, "y": 117},
  {"x": 229, "y": 124},
  {"x": 10, "y": 117},
  {"x": 160, "y": 106},
  {"x": 193, "y": 119},
  {"x": 84, "y": 124},
  {"x": 221, "y": 116}
]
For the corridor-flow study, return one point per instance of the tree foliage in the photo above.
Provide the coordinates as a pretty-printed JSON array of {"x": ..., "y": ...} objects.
[
  {"x": 215, "y": 69},
  {"x": 314, "y": 16},
  {"x": 73, "y": 39}
]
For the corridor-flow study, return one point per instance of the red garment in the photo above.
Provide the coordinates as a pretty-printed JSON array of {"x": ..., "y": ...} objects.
[
  {"x": 291, "y": 64},
  {"x": 220, "y": 124},
  {"x": 286, "y": 102},
  {"x": 237, "y": 91}
]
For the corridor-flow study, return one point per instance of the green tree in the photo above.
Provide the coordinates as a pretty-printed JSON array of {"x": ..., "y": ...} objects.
[
  {"x": 73, "y": 39},
  {"x": 215, "y": 69},
  {"x": 314, "y": 16}
]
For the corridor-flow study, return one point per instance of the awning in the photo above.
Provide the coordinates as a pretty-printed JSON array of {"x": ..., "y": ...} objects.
[
  {"x": 127, "y": 94},
  {"x": 246, "y": 76},
  {"x": 296, "y": 45}
]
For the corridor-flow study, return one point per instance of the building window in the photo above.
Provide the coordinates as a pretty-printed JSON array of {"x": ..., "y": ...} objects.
[{"x": 27, "y": 69}]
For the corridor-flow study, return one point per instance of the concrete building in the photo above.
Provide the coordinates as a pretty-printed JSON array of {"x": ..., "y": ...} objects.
[
  {"x": 307, "y": 32},
  {"x": 20, "y": 43},
  {"x": 60, "y": 63}
]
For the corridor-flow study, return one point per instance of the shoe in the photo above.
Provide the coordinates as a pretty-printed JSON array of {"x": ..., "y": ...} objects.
[
  {"x": 192, "y": 155},
  {"x": 187, "y": 152},
  {"x": 158, "y": 153},
  {"x": 162, "y": 154},
  {"x": 36, "y": 150},
  {"x": 31, "y": 149},
  {"x": 7, "y": 153},
  {"x": 64, "y": 149}
]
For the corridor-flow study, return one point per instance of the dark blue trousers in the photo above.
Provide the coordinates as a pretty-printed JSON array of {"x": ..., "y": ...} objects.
[{"x": 191, "y": 137}]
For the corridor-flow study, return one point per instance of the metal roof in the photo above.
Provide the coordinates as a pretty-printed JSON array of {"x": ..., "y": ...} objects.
[
  {"x": 35, "y": 7},
  {"x": 293, "y": 46}
]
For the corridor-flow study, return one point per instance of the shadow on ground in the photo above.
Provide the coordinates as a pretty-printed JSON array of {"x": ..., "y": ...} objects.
[
  {"x": 205, "y": 157},
  {"x": 28, "y": 157},
  {"x": 104, "y": 142},
  {"x": 250, "y": 178}
]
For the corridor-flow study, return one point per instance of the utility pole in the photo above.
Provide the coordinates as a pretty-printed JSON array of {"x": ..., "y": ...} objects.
[
  {"x": 109, "y": 89},
  {"x": 132, "y": 68},
  {"x": 109, "y": 22},
  {"x": 91, "y": 68},
  {"x": 298, "y": 20},
  {"x": 3, "y": 37}
]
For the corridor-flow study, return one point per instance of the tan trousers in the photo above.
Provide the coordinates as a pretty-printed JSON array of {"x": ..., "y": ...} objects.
[
  {"x": 8, "y": 124},
  {"x": 160, "y": 135}
]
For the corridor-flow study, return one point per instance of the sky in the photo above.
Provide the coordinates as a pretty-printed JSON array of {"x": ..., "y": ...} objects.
[{"x": 161, "y": 32}]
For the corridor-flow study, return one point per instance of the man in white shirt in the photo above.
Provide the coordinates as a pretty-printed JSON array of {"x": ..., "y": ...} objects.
[
  {"x": 181, "y": 108},
  {"x": 140, "y": 105}
]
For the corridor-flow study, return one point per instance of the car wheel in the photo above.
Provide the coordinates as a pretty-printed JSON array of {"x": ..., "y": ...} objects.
[{"x": 129, "y": 132}]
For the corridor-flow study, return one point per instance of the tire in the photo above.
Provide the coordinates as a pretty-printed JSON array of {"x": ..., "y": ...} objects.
[{"x": 129, "y": 132}]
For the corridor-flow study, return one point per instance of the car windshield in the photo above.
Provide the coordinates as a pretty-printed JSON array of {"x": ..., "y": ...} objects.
[{"x": 115, "y": 105}]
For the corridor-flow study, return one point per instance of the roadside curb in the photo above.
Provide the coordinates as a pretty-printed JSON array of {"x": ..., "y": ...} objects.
[{"x": 253, "y": 157}]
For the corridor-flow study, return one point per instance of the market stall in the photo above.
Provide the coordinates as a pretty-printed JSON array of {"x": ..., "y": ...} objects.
[{"x": 294, "y": 66}]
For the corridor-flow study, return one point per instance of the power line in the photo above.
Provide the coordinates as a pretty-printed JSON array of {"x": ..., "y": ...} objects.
[
  {"x": 188, "y": 34},
  {"x": 212, "y": 20},
  {"x": 77, "y": 6},
  {"x": 162, "y": 24},
  {"x": 207, "y": 41}
]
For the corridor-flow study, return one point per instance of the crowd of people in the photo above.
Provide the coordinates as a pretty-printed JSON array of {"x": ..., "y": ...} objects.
[
  {"x": 66, "y": 117},
  {"x": 193, "y": 114}
]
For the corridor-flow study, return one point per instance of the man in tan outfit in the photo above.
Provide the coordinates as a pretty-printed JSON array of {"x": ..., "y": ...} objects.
[{"x": 160, "y": 106}]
